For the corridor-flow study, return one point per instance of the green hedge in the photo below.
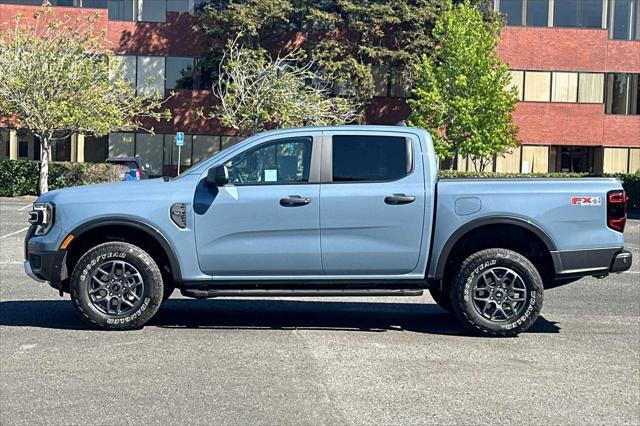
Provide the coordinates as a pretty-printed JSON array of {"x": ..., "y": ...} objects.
[
  {"x": 630, "y": 181},
  {"x": 21, "y": 177}
]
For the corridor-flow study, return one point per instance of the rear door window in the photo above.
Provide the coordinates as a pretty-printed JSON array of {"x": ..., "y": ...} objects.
[{"x": 359, "y": 158}]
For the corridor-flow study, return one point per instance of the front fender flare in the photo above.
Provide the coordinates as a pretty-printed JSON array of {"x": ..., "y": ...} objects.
[{"x": 140, "y": 225}]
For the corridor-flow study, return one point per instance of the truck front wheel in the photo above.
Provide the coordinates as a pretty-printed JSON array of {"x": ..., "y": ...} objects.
[
  {"x": 497, "y": 292},
  {"x": 116, "y": 286}
]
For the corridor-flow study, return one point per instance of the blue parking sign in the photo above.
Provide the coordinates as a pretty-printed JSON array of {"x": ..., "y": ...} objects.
[{"x": 180, "y": 138}]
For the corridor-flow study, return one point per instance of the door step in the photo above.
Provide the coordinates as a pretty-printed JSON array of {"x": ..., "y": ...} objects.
[{"x": 203, "y": 294}]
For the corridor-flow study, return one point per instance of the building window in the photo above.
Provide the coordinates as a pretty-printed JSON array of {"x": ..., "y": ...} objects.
[
  {"x": 122, "y": 10},
  {"x": 183, "y": 5},
  {"x": 380, "y": 74},
  {"x": 152, "y": 10},
  {"x": 512, "y": 10},
  {"x": 517, "y": 81},
  {"x": 564, "y": 87},
  {"x": 23, "y": 149},
  {"x": 591, "y": 88},
  {"x": 622, "y": 94},
  {"x": 400, "y": 83},
  {"x": 95, "y": 149},
  {"x": 537, "y": 13},
  {"x": 179, "y": 73},
  {"x": 204, "y": 71},
  {"x": 123, "y": 67},
  {"x": 578, "y": 13},
  {"x": 616, "y": 160},
  {"x": 634, "y": 160},
  {"x": 94, "y": 4},
  {"x": 204, "y": 146},
  {"x": 148, "y": 149},
  {"x": 121, "y": 144},
  {"x": 150, "y": 75},
  {"x": 624, "y": 19},
  {"x": 576, "y": 159},
  {"x": 537, "y": 86}
]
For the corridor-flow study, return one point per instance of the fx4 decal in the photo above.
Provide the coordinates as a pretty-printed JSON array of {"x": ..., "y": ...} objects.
[{"x": 586, "y": 201}]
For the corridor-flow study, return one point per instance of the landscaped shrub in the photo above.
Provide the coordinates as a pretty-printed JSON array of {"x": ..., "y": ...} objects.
[
  {"x": 630, "y": 181},
  {"x": 21, "y": 177}
]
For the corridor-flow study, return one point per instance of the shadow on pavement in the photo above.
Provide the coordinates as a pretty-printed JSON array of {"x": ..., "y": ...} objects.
[{"x": 262, "y": 314}]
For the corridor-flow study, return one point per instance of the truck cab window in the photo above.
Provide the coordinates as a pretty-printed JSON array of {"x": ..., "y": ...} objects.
[
  {"x": 370, "y": 158},
  {"x": 280, "y": 162}
]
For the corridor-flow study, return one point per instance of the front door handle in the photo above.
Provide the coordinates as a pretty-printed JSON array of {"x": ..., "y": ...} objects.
[
  {"x": 294, "y": 201},
  {"x": 397, "y": 199}
]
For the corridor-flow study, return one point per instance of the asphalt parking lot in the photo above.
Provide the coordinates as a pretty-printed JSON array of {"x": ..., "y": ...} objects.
[{"x": 316, "y": 361}]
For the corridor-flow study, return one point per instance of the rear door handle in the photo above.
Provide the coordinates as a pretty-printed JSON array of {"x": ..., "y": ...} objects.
[
  {"x": 294, "y": 201},
  {"x": 397, "y": 199}
]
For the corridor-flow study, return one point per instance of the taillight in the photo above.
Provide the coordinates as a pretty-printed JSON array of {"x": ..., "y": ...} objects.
[
  {"x": 139, "y": 174},
  {"x": 617, "y": 210}
]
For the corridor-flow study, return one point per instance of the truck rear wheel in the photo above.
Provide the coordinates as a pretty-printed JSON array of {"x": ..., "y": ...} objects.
[
  {"x": 497, "y": 292},
  {"x": 116, "y": 286}
]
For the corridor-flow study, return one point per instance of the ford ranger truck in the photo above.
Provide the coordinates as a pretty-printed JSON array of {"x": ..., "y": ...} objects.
[{"x": 332, "y": 211}]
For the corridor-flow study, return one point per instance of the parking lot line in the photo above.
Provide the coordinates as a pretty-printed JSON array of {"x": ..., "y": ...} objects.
[
  {"x": 23, "y": 208},
  {"x": 14, "y": 233}
]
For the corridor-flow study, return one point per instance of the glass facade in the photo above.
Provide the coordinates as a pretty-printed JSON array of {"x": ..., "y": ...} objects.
[
  {"x": 537, "y": 86},
  {"x": 559, "y": 86},
  {"x": 564, "y": 87},
  {"x": 564, "y": 13},
  {"x": 624, "y": 19},
  {"x": 622, "y": 94},
  {"x": 591, "y": 88},
  {"x": 578, "y": 13},
  {"x": 512, "y": 10},
  {"x": 537, "y": 13},
  {"x": 179, "y": 73}
]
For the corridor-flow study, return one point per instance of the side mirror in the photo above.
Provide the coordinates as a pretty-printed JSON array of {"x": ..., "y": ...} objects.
[{"x": 217, "y": 176}]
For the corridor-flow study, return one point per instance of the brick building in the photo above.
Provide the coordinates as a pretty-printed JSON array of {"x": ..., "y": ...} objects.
[{"x": 576, "y": 64}]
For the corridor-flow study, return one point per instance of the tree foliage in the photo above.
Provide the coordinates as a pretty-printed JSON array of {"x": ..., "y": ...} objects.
[
  {"x": 257, "y": 92},
  {"x": 55, "y": 81},
  {"x": 343, "y": 39},
  {"x": 463, "y": 94}
]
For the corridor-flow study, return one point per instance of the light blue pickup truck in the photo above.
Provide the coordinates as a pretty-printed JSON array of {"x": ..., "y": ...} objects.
[{"x": 334, "y": 211}]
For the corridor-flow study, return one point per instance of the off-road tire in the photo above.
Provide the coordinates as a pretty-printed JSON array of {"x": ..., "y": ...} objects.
[
  {"x": 145, "y": 308},
  {"x": 471, "y": 271},
  {"x": 442, "y": 297}
]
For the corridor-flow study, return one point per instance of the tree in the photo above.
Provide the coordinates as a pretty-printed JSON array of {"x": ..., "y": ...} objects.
[
  {"x": 56, "y": 81},
  {"x": 343, "y": 39},
  {"x": 464, "y": 94},
  {"x": 257, "y": 92}
]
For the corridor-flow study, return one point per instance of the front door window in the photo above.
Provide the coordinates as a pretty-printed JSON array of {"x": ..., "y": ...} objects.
[{"x": 285, "y": 161}]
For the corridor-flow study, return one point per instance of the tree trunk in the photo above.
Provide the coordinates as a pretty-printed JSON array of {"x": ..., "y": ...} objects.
[
  {"x": 454, "y": 160},
  {"x": 45, "y": 156}
]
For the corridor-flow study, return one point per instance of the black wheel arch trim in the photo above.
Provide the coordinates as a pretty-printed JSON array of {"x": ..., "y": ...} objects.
[
  {"x": 492, "y": 220},
  {"x": 140, "y": 225}
]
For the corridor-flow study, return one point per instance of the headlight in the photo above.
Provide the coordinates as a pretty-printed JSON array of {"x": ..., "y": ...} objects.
[{"x": 42, "y": 216}]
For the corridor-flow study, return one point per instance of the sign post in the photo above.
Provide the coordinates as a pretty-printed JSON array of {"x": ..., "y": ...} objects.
[{"x": 179, "y": 143}]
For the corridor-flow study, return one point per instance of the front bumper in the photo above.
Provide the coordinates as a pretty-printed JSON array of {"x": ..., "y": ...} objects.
[
  {"x": 29, "y": 271},
  {"x": 41, "y": 263}
]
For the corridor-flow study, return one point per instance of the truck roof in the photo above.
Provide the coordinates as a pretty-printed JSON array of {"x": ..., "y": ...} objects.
[{"x": 351, "y": 128}]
